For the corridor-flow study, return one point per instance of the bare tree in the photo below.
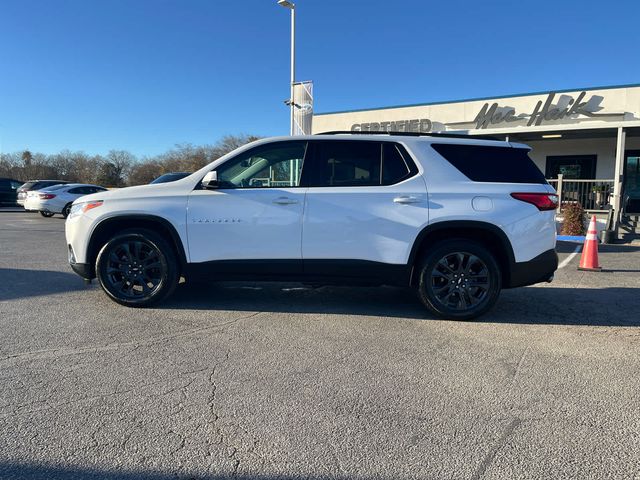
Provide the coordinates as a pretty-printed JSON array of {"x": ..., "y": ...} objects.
[
  {"x": 115, "y": 168},
  {"x": 119, "y": 167}
]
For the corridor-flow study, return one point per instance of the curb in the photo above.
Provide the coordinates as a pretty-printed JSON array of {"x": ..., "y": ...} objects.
[{"x": 571, "y": 238}]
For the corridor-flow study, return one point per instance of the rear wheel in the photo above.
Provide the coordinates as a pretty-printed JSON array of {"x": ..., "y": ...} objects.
[
  {"x": 459, "y": 280},
  {"x": 46, "y": 214},
  {"x": 66, "y": 210},
  {"x": 137, "y": 268}
]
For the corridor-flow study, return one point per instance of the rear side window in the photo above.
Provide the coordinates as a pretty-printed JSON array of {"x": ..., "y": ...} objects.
[
  {"x": 482, "y": 163},
  {"x": 360, "y": 163},
  {"x": 396, "y": 165}
]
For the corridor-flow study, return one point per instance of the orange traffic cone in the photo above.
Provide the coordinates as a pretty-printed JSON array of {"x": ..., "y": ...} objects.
[{"x": 589, "y": 259}]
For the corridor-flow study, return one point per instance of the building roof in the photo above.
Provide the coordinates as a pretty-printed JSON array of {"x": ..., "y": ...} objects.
[{"x": 443, "y": 102}]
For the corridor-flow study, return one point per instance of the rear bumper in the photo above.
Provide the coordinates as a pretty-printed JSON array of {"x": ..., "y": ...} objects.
[{"x": 536, "y": 270}]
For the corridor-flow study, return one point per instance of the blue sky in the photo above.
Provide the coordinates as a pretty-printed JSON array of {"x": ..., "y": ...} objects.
[{"x": 143, "y": 75}]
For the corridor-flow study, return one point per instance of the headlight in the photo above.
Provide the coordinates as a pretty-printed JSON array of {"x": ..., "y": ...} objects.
[{"x": 78, "y": 209}]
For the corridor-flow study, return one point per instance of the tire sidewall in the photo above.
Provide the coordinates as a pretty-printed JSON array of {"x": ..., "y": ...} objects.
[
  {"x": 169, "y": 278},
  {"x": 429, "y": 262}
]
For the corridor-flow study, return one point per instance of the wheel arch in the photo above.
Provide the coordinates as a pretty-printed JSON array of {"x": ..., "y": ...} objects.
[
  {"x": 487, "y": 234},
  {"x": 106, "y": 228}
]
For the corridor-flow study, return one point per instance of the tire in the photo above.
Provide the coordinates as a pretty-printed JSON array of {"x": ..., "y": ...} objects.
[
  {"x": 137, "y": 268},
  {"x": 66, "y": 210},
  {"x": 46, "y": 214},
  {"x": 459, "y": 279}
]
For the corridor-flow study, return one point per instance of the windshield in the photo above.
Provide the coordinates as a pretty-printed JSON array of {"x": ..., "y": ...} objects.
[{"x": 27, "y": 186}]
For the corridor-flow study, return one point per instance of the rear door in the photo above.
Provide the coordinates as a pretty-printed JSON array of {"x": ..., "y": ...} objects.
[{"x": 366, "y": 201}]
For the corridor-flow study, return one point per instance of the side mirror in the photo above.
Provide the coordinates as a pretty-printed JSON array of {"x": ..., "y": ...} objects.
[{"x": 210, "y": 180}]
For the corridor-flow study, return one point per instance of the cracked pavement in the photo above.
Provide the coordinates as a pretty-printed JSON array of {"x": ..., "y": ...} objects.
[{"x": 269, "y": 381}]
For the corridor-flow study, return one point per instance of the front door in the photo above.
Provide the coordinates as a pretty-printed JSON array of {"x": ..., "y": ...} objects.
[
  {"x": 255, "y": 214},
  {"x": 631, "y": 187}
]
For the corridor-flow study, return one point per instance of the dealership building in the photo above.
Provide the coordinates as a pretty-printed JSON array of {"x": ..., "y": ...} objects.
[{"x": 586, "y": 141}]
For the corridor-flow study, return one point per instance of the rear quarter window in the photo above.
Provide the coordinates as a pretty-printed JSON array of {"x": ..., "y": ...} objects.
[{"x": 482, "y": 163}]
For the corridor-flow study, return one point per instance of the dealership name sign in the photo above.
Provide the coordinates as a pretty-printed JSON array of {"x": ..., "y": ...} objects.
[{"x": 566, "y": 107}]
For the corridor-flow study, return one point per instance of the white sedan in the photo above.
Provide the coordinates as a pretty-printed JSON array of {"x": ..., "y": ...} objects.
[{"x": 58, "y": 199}]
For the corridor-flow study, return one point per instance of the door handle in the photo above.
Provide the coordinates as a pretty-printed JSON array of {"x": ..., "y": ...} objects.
[
  {"x": 285, "y": 201},
  {"x": 406, "y": 199}
]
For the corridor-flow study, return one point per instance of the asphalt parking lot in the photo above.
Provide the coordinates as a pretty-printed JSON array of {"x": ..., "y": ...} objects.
[{"x": 278, "y": 381}]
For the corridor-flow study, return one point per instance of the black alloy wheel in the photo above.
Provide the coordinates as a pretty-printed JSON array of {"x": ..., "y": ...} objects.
[
  {"x": 46, "y": 214},
  {"x": 137, "y": 268},
  {"x": 66, "y": 210},
  {"x": 459, "y": 280}
]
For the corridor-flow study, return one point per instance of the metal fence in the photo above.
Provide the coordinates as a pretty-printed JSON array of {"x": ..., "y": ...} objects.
[{"x": 593, "y": 194}]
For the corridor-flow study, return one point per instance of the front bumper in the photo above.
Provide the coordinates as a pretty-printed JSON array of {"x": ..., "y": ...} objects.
[
  {"x": 537, "y": 270},
  {"x": 83, "y": 269}
]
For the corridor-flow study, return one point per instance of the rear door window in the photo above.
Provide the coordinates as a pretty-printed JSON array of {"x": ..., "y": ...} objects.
[
  {"x": 347, "y": 164},
  {"x": 481, "y": 163},
  {"x": 359, "y": 163}
]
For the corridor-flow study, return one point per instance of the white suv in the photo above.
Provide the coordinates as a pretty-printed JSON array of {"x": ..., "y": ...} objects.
[{"x": 457, "y": 218}]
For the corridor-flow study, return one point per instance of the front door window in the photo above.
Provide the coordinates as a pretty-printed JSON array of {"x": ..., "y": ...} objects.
[{"x": 278, "y": 165}]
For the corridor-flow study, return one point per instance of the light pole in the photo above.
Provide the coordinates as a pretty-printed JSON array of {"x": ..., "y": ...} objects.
[{"x": 291, "y": 6}]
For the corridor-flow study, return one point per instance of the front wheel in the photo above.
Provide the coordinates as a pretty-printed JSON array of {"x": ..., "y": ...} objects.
[
  {"x": 137, "y": 268},
  {"x": 459, "y": 280},
  {"x": 46, "y": 214}
]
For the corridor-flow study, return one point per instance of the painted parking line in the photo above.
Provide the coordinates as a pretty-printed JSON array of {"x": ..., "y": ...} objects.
[{"x": 566, "y": 261}]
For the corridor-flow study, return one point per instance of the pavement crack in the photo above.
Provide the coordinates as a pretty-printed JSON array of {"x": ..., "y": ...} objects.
[
  {"x": 65, "y": 351},
  {"x": 223, "y": 441},
  {"x": 491, "y": 455}
]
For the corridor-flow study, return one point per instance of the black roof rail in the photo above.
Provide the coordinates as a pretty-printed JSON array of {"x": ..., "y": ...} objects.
[{"x": 409, "y": 134}]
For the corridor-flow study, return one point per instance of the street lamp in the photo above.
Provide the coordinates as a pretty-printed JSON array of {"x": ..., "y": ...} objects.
[{"x": 292, "y": 7}]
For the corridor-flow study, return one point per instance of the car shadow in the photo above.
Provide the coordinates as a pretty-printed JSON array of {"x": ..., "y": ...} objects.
[
  {"x": 19, "y": 283},
  {"x": 44, "y": 471},
  {"x": 541, "y": 304}
]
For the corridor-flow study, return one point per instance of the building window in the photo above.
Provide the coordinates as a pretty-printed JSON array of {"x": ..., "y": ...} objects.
[{"x": 571, "y": 166}]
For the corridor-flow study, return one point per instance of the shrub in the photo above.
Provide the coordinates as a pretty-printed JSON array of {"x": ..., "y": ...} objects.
[{"x": 573, "y": 223}]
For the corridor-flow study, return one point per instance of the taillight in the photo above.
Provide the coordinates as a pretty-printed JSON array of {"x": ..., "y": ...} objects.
[
  {"x": 47, "y": 196},
  {"x": 543, "y": 201}
]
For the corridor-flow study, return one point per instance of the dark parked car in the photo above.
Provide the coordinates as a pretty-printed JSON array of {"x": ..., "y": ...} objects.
[
  {"x": 35, "y": 185},
  {"x": 171, "y": 177},
  {"x": 9, "y": 192}
]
